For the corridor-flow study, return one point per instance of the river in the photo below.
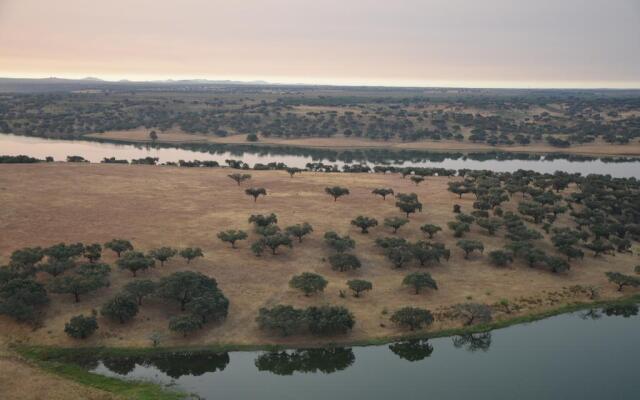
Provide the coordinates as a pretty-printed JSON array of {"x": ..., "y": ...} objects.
[
  {"x": 295, "y": 157},
  {"x": 582, "y": 355}
]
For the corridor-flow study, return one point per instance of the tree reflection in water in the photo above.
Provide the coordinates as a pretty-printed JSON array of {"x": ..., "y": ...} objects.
[
  {"x": 622, "y": 310},
  {"x": 473, "y": 341},
  {"x": 174, "y": 365},
  {"x": 412, "y": 350},
  {"x": 306, "y": 360}
]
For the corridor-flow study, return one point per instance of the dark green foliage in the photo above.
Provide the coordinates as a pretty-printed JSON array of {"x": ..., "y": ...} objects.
[
  {"x": 465, "y": 218},
  {"x": 93, "y": 252},
  {"x": 426, "y": 252},
  {"x": 364, "y": 223},
  {"x": 458, "y": 228},
  {"x": 191, "y": 253},
  {"x": 457, "y": 209},
  {"x": 468, "y": 246},
  {"x": 161, "y": 254},
  {"x": 490, "y": 224},
  {"x": 21, "y": 297},
  {"x": 57, "y": 267},
  {"x": 81, "y": 327},
  {"x": 344, "y": 262},
  {"x": 500, "y": 258},
  {"x": 285, "y": 363},
  {"x": 135, "y": 261},
  {"x": 28, "y": 256},
  {"x": 184, "y": 286},
  {"x": 62, "y": 251},
  {"x": 211, "y": 305},
  {"x": 416, "y": 179},
  {"x": 408, "y": 203},
  {"x": 255, "y": 193},
  {"x": 412, "y": 350},
  {"x": 308, "y": 283},
  {"x": 268, "y": 230},
  {"x": 564, "y": 239},
  {"x": 252, "y": 137},
  {"x": 458, "y": 188},
  {"x": 85, "y": 279},
  {"x": 430, "y": 229},
  {"x": 232, "y": 236},
  {"x": 358, "y": 286},
  {"x": 293, "y": 171},
  {"x": 257, "y": 248},
  {"x": 329, "y": 320},
  {"x": 284, "y": 319},
  {"x": 622, "y": 280},
  {"x": 419, "y": 281},
  {"x": 239, "y": 178},
  {"x": 119, "y": 246},
  {"x": 395, "y": 223},
  {"x": 599, "y": 246},
  {"x": 185, "y": 324},
  {"x": 276, "y": 240},
  {"x": 263, "y": 220},
  {"x": 473, "y": 313},
  {"x": 557, "y": 264},
  {"x": 533, "y": 210},
  {"x": 139, "y": 289},
  {"x": 412, "y": 317},
  {"x": 339, "y": 243},
  {"x": 336, "y": 192},
  {"x": 120, "y": 308},
  {"x": 384, "y": 192},
  {"x": 389, "y": 242},
  {"x": 299, "y": 230},
  {"x": 399, "y": 255}
]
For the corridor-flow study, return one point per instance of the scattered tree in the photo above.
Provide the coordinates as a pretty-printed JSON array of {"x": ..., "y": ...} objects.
[
  {"x": 163, "y": 254},
  {"x": 395, "y": 223},
  {"x": 299, "y": 230},
  {"x": 501, "y": 258},
  {"x": 412, "y": 317},
  {"x": 622, "y": 280},
  {"x": 430, "y": 229},
  {"x": 119, "y": 246},
  {"x": 120, "y": 308},
  {"x": 364, "y": 223},
  {"x": 191, "y": 253},
  {"x": 468, "y": 246},
  {"x": 284, "y": 319},
  {"x": 358, "y": 286},
  {"x": 232, "y": 236},
  {"x": 473, "y": 313},
  {"x": 81, "y": 327},
  {"x": 384, "y": 192},
  {"x": 336, "y": 192},
  {"x": 239, "y": 178},
  {"x": 255, "y": 193},
  {"x": 344, "y": 262},
  {"x": 420, "y": 280},
  {"x": 329, "y": 320},
  {"x": 135, "y": 261},
  {"x": 139, "y": 289},
  {"x": 308, "y": 283}
]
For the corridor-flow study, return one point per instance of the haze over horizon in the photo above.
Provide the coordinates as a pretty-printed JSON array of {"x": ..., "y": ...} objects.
[{"x": 494, "y": 43}]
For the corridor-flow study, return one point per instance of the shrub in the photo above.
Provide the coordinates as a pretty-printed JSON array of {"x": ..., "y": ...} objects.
[{"x": 81, "y": 327}]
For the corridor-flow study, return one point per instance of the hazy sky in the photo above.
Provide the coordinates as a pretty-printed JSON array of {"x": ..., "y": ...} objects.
[{"x": 527, "y": 43}]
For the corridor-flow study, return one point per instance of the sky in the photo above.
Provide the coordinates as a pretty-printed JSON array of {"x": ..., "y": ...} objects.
[{"x": 474, "y": 43}]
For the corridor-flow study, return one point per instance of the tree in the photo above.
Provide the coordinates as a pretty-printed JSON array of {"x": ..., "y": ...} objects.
[
  {"x": 62, "y": 251},
  {"x": 20, "y": 297},
  {"x": 87, "y": 278},
  {"x": 135, "y": 261},
  {"x": 252, "y": 137},
  {"x": 299, "y": 230},
  {"x": 557, "y": 264},
  {"x": 395, "y": 223},
  {"x": 468, "y": 246},
  {"x": 564, "y": 239},
  {"x": 232, "y": 236},
  {"x": 423, "y": 252},
  {"x": 501, "y": 258},
  {"x": 211, "y": 304},
  {"x": 81, "y": 327},
  {"x": 260, "y": 220},
  {"x": 163, "y": 254},
  {"x": 458, "y": 188},
  {"x": 185, "y": 324},
  {"x": 339, "y": 243},
  {"x": 534, "y": 210},
  {"x": 417, "y": 179},
  {"x": 344, "y": 262},
  {"x": 622, "y": 280},
  {"x": 329, "y": 320},
  {"x": 308, "y": 283},
  {"x": 490, "y": 224},
  {"x": 191, "y": 253},
  {"x": 420, "y": 280},
  {"x": 255, "y": 193},
  {"x": 599, "y": 246},
  {"x": 364, "y": 223},
  {"x": 293, "y": 171},
  {"x": 458, "y": 228},
  {"x": 139, "y": 289},
  {"x": 184, "y": 286},
  {"x": 57, "y": 267},
  {"x": 284, "y": 319},
  {"x": 473, "y": 313},
  {"x": 93, "y": 252},
  {"x": 358, "y": 286},
  {"x": 276, "y": 240},
  {"x": 430, "y": 229},
  {"x": 120, "y": 308},
  {"x": 399, "y": 255},
  {"x": 412, "y": 317},
  {"x": 153, "y": 136},
  {"x": 119, "y": 246},
  {"x": 257, "y": 248},
  {"x": 239, "y": 178},
  {"x": 408, "y": 203},
  {"x": 336, "y": 192},
  {"x": 27, "y": 257},
  {"x": 384, "y": 192}
]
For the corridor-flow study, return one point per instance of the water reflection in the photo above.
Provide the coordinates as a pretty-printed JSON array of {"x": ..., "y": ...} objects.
[
  {"x": 306, "y": 360},
  {"x": 622, "y": 310},
  {"x": 473, "y": 341},
  {"x": 412, "y": 350}
]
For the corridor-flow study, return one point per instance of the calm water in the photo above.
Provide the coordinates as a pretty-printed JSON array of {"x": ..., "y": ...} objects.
[
  {"x": 96, "y": 151},
  {"x": 571, "y": 356}
]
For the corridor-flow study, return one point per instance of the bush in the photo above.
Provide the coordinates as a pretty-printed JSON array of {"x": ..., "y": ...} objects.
[
  {"x": 120, "y": 308},
  {"x": 501, "y": 258},
  {"x": 81, "y": 327},
  {"x": 412, "y": 317},
  {"x": 252, "y": 137}
]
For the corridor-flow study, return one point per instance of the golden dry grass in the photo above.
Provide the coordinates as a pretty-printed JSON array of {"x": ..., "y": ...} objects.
[
  {"x": 597, "y": 148},
  {"x": 154, "y": 206}
]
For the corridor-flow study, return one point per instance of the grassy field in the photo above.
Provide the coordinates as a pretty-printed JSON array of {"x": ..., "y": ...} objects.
[
  {"x": 158, "y": 206},
  {"x": 597, "y": 148}
]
